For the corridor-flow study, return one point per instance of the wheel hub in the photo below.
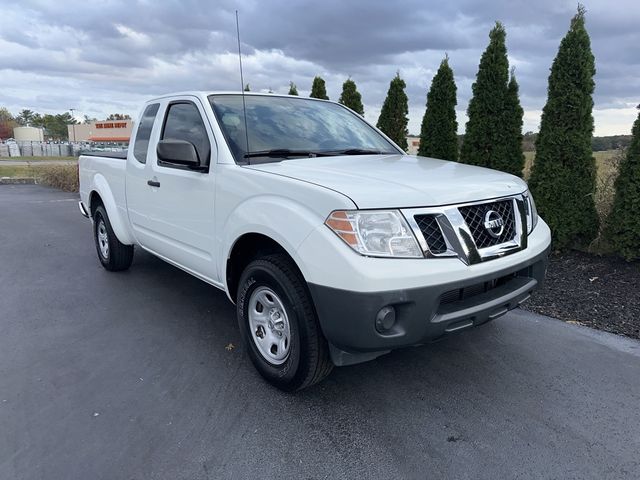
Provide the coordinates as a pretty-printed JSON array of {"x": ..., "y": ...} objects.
[
  {"x": 269, "y": 323},
  {"x": 103, "y": 239}
]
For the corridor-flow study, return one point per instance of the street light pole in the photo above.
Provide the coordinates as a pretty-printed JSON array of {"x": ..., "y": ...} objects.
[{"x": 73, "y": 125}]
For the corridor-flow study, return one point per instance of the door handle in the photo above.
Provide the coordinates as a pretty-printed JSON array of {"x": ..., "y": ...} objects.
[{"x": 153, "y": 183}]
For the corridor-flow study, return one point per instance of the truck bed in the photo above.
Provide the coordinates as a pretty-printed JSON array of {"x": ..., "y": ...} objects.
[{"x": 111, "y": 167}]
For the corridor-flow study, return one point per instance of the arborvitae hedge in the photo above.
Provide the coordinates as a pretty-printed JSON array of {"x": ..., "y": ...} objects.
[
  {"x": 318, "y": 89},
  {"x": 393, "y": 118},
  {"x": 439, "y": 132},
  {"x": 350, "y": 97},
  {"x": 564, "y": 172},
  {"x": 293, "y": 90},
  {"x": 485, "y": 136},
  {"x": 623, "y": 224},
  {"x": 513, "y": 161}
]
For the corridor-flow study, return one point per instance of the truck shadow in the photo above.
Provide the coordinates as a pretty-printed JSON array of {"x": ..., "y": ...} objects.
[
  {"x": 463, "y": 361},
  {"x": 180, "y": 387}
]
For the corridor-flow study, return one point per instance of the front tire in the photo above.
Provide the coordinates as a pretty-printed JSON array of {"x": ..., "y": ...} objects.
[
  {"x": 279, "y": 325},
  {"x": 113, "y": 255}
]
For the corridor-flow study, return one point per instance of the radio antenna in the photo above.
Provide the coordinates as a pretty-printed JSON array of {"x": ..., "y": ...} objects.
[{"x": 244, "y": 106}]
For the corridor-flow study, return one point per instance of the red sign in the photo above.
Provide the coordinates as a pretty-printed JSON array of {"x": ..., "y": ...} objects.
[{"x": 112, "y": 125}]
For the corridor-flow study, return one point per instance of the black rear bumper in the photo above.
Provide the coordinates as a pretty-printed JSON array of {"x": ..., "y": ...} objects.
[{"x": 348, "y": 319}]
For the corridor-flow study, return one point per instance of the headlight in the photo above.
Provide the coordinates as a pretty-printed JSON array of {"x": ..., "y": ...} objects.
[
  {"x": 530, "y": 210},
  {"x": 377, "y": 233}
]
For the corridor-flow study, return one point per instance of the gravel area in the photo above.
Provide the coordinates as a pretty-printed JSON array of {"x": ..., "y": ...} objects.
[{"x": 600, "y": 292}]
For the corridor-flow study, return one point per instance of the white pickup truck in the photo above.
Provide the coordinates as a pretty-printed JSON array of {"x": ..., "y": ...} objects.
[{"x": 335, "y": 245}]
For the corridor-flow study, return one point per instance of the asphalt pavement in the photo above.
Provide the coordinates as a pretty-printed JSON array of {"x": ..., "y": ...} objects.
[{"x": 141, "y": 374}]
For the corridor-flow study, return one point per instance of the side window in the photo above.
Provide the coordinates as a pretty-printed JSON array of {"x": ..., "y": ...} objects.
[
  {"x": 144, "y": 132},
  {"x": 183, "y": 122}
]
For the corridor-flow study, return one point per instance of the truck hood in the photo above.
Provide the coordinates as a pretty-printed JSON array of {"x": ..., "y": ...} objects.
[{"x": 398, "y": 181}]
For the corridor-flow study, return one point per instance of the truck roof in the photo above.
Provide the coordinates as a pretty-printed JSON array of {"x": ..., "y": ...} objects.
[{"x": 206, "y": 93}]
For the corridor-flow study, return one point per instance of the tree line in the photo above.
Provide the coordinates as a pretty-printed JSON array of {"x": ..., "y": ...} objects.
[
  {"x": 563, "y": 176},
  {"x": 443, "y": 85},
  {"x": 54, "y": 125}
]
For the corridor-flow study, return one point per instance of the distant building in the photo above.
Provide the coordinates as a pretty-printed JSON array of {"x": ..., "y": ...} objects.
[
  {"x": 413, "y": 144},
  {"x": 28, "y": 134},
  {"x": 105, "y": 131}
]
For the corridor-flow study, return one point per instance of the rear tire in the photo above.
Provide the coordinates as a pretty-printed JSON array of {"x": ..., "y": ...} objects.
[
  {"x": 113, "y": 255},
  {"x": 279, "y": 325}
]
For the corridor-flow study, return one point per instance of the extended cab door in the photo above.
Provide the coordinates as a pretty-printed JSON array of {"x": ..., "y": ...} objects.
[{"x": 171, "y": 207}]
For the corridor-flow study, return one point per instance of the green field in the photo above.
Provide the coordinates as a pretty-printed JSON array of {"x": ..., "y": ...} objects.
[
  {"x": 17, "y": 171},
  {"x": 607, "y": 170},
  {"x": 604, "y": 162},
  {"x": 62, "y": 176},
  {"x": 29, "y": 171}
]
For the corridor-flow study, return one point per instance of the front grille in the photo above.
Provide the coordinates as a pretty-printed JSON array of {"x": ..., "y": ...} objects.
[
  {"x": 474, "y": 215},
  {"x": 431, "y": 232}
]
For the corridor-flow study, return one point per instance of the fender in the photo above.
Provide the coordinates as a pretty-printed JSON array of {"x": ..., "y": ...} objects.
[
  {"x": 279, "y": 218},
  {"x": 120, "y": 228}
]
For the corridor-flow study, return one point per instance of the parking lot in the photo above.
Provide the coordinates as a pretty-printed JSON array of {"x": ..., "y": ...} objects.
[{"x": 141, "y": 374}]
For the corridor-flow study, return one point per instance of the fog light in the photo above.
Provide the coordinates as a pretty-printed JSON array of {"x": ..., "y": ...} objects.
[{"x": 385, "y": 319}]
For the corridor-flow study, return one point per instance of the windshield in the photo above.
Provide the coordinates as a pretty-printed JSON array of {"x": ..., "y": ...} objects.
[{"x": 285, "y": 127}]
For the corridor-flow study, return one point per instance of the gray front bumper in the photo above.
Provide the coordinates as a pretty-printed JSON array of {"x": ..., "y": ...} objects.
[{"x": 422, "y": 314}]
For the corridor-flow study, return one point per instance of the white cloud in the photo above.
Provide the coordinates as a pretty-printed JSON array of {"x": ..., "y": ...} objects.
[
  {"x": 111, "y": 56},
  {"x": 139, "y": 39},
  {"x": 618, "y": 121}
]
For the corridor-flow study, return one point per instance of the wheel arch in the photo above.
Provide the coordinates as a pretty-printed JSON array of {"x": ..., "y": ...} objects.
[
  {"x": 94, "y": 201},
  {"x": 101, "y": 194},
  {"x": 245, "y": 249}
]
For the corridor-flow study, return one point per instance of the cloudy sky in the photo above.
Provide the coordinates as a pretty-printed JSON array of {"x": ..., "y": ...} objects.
[{"x": 111, "y": 55}]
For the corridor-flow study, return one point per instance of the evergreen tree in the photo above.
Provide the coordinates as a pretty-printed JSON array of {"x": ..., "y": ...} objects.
[
  {"x": 623, "y": 224},
  {"x": 513, "y": 114},
  {"x": 318, "y": 89},
  {"x": 564, "y": 172},
  {"x": 393, "y": 118},
  {"x": 293, "y": 90},
  {"x": 485, "y": 137},
  {"x": 246, "y": 88},
  {"x": 25, "y": 117},
  {"x": 350, "y": 97},
  {"x": 439, "y": 132}
]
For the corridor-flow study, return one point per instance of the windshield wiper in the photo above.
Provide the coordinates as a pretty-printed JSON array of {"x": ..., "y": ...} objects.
[
  {"x": 360, "y": 151},
  {"x": 283, "y": 153}
]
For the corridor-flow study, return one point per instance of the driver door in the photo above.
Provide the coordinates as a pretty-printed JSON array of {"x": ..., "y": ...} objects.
[{"x": 171, "y": 206}]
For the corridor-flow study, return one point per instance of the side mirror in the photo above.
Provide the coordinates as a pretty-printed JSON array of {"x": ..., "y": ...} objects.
[{"x": 179, "y": 152}]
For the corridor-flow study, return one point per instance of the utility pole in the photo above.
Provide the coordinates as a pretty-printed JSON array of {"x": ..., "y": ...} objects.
[{"x": 73, "y": 125}]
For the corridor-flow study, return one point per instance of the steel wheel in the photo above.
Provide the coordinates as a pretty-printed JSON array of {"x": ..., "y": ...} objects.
[
  {"x": 113, "y": 255},
  {"x": 103, "y": 238},
  {"x": 269, "y": 325},
  {"x": 279, "y": 325}
]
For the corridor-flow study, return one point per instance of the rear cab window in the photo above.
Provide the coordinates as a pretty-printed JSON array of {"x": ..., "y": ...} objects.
[{"x": 141, "y": 145}]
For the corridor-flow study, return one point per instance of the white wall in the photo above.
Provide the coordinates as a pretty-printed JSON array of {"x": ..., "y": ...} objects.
[{"x": 28, "y": 134}]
